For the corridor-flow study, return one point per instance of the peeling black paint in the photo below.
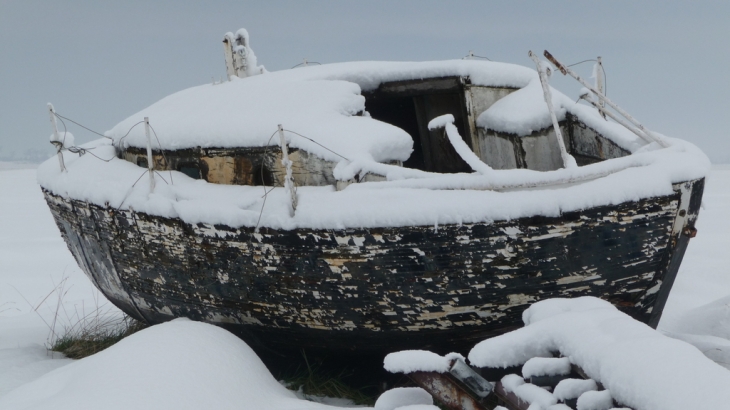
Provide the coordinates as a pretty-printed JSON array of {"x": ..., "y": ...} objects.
[{"x": 379, "y": 289}]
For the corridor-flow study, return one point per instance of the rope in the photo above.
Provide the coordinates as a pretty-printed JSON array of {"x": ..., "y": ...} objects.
[
  {"x": 82, "y": 151},
  {"x": 130, "y": 130},
  {"x": 266, "y": 192},
  {"x": 581, "y": 62},
  {"x": 605, "y": 77},
  {"x": 75, "y": 149},
  {"x": 135, "y": 182},
  {"x": 130, "y": 191},
  {"x": 305, "y": 63},
  {"x": 163, "y": 178},
  {"x": 474, "y": 55},
  {"x": 62, "y": 118},
  {"x": 296, "y": 133},
  {"x": 84, "y": 127}
]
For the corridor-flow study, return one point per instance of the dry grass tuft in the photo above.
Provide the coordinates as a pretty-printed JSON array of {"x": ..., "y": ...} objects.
[
  {"x": 86, "y": 330},
  {"x": 314, "y": 382},
  {"x": 87, "y": 338}
]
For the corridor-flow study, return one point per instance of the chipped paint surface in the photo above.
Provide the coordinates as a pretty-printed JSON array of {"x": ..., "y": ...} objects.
[
  {"x": 241, "y": 166},
  {"x": 393, "y": 287}
]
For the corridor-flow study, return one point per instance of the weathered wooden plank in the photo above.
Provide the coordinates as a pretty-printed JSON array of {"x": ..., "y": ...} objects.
[
  {"x": 241, "y": 166},
  {"x": 397, "y": 287}
]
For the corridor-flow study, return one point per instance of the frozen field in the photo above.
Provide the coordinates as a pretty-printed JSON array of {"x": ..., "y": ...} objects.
[{"x": 42, "y": 288}]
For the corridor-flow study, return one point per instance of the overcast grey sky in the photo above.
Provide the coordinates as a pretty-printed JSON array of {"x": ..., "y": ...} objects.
[{"x": 101, "y": 61}]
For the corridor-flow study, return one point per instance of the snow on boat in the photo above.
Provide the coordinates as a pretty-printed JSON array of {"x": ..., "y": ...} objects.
[{"x": 374, "y": 206}]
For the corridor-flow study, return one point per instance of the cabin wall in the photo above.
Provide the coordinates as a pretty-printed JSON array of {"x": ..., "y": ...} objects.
[
  {"x": 539, "y": 151},
  {"x": 478, "y": 99},
  {"x": 240, "y": 166},
  {"x": 588, "y": 146}
]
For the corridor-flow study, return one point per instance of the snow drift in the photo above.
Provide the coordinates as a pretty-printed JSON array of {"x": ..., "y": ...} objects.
[{"x": 176, "y": 365}]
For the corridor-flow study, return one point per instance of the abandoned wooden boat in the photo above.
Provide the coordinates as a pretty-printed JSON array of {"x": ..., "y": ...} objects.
[{"x": 399, "y": 205}]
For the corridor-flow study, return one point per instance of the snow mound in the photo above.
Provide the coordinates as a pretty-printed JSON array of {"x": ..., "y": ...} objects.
[
  {"x": 595, "y": 400},
  {"x": 569, "y": 389},
  {"x": 409, "y": 361},
  {"x": 528, "y": 392},
  {"x": 712, "y": 319},
  {"x": 175, "y": 365},
  {"x": 523, "y": 111},
  {"x": 23, "y": 364},
  {"x": 402, "y": 397},
  {"x": 641, "y": 368},
  {"x": 546, "y": 366}
]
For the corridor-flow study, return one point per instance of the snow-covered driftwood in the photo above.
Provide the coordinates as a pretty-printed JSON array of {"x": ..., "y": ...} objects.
[{"x": 605, "y": 360}]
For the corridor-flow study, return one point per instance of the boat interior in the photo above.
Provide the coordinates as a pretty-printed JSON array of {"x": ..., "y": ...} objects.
[{"x": 409, "y": 105}]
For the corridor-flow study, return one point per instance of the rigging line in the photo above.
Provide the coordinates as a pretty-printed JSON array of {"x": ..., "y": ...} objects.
[
  {"x": 129, "y": 191},
  {"x": 267, "y": 192},
  {"x": 140, "y": 177},
  {"x": 474, "y": 55},
  {"x": 307, "y": 63},
  {"x": 84, "y": 127},
  {"x": 296, "y": 133},
  {"x": 167, "y": 164},
  {"x": 581, "y": 62},
  {"x": 78, "y": 150},
  {"x": 82, "y": 151},
  {"x": 125, "y": 135},
  {"x": 605, "y": 77},
  {"x": 163, "y": 178}
]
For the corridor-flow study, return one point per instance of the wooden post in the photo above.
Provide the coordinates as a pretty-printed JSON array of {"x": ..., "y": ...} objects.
[
  {"x": 568, "y": 160},
  {"x": 288, "y": 179},
  {"x": 150, "y": 159},
  {"x": 58, "y": 143},
  {"x": 600, "y": 86}
]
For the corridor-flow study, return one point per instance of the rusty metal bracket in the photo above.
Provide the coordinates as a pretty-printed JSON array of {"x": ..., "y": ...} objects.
[
  {"x": 555, "y": 62},
  {"x": 444, "y": 388}
]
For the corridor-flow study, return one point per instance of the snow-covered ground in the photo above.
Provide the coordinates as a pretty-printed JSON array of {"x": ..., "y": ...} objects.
[{"x": 195, "y": 365}]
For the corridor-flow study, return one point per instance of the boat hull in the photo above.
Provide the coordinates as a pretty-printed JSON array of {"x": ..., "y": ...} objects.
[{"x": 381, "y": 289}]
